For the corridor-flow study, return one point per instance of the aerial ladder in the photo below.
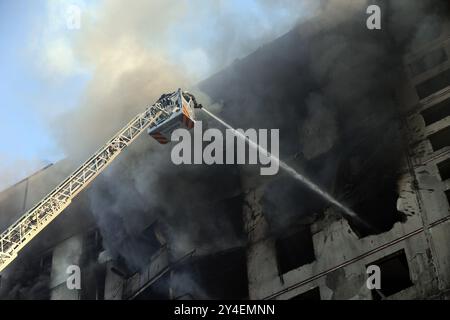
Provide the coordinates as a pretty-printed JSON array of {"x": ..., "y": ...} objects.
[{"x": 171, "y": 111}]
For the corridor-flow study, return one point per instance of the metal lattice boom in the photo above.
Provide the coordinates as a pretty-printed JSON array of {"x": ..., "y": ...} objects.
[{"x": 38, "y": 217}]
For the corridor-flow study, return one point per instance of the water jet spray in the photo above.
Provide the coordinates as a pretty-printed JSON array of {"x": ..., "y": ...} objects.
[{"x": 291, "y": 171}]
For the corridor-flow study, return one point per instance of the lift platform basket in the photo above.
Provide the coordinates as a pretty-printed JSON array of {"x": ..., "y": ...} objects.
[{"x": 179, "y": 105}]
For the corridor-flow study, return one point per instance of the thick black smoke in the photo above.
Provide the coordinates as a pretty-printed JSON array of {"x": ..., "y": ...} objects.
[
  {"x": 145, "y": 187},
  {"x": 329, "y": 86}
]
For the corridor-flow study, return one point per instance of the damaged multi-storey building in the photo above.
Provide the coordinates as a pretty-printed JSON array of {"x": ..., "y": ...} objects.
[{"x": 363, "y": 113}]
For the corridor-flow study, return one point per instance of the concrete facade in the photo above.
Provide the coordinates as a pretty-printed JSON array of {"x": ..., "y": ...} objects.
[{"x": 341, "y": 257}]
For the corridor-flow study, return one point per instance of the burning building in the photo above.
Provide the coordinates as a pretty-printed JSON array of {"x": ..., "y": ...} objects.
[{"x": 363, "y": 113}]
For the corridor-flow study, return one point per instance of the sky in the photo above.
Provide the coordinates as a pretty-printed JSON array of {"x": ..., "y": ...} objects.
[
  {"x": 45, "y": 71},
  {"x": 28, "y": 94}
]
